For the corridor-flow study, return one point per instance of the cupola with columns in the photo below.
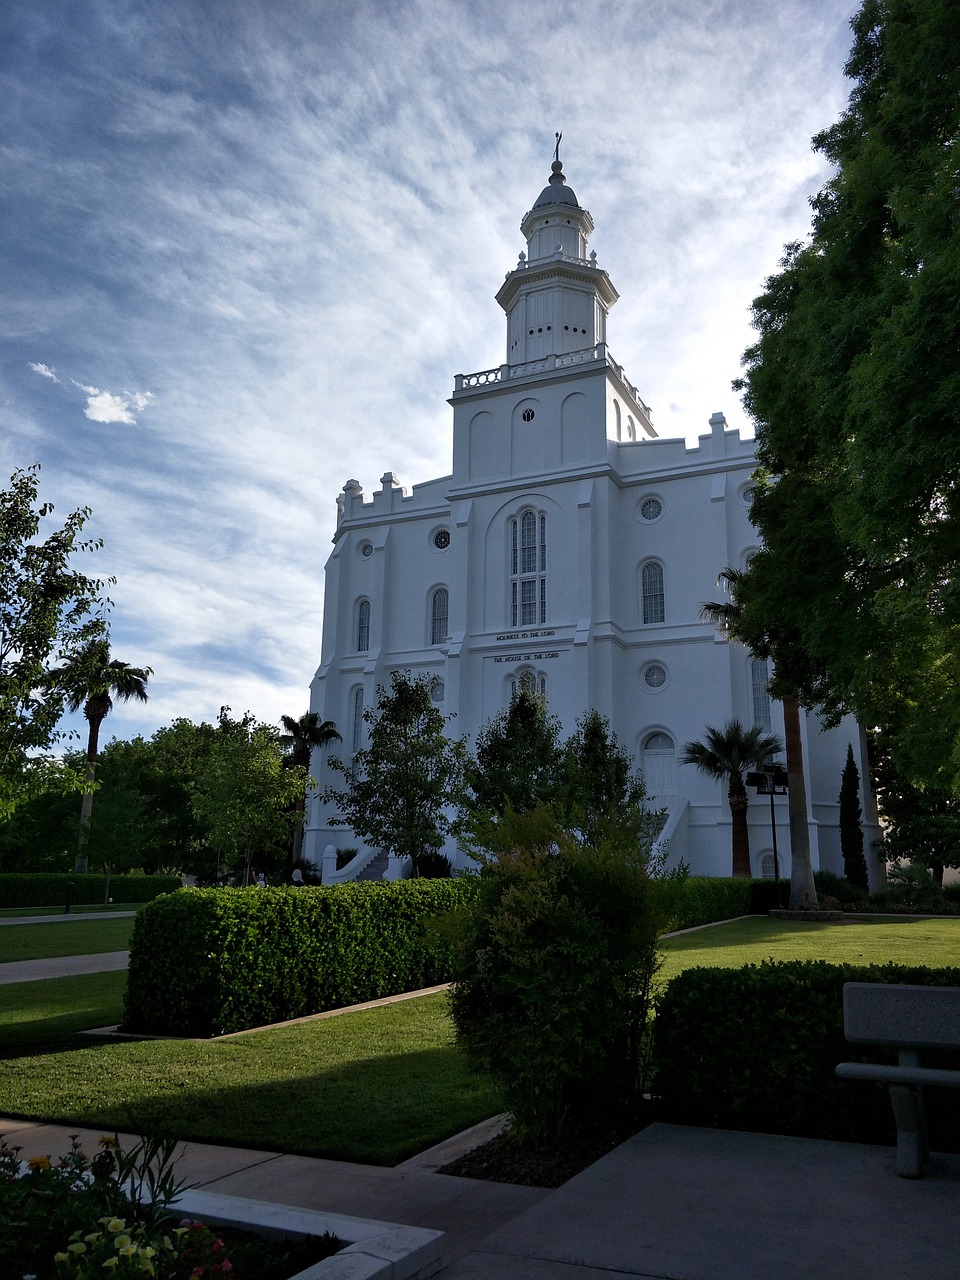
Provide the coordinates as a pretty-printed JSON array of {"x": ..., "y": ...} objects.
[{"x": 557, "y": 298}]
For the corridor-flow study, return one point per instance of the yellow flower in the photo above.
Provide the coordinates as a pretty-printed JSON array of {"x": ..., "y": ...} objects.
[
  {"x": 93, "y": 1235},
  {"x": 106, "y": 1141},
  {"x": 111, "y": 1263},
  {"x": 122, "y": 1241},
  {"x": 129, "y": 1251},
  {"x": 113, "y": 1225},
  {"x": 61, "y": 1257},
  {"x": 77, "y": 1247},
  {"x": 38, "y": 1162}
]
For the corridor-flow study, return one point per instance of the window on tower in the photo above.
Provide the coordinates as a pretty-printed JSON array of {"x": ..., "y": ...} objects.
[
  {"x": 363, "y": 626},
  {"x": 439, "y": 611},
  {"x": 651, "y": 592},
  {"x": 528, "y": 569}
]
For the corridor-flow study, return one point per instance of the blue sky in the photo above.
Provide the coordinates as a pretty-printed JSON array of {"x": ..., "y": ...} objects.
[{"x": 246, "y": 246}]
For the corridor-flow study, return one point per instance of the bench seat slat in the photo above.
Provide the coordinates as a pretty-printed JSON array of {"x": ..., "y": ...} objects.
[{"x": 898, "y": 1075}]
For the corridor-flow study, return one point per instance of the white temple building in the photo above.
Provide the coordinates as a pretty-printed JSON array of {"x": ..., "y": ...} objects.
[{"x": 572, "y": 547}]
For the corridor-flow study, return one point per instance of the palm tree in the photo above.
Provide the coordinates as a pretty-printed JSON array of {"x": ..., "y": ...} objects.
[
  {"x": 301, "y": 738},
  {"x": 803, "y": 891},
  {"x": 728, "y": 753},
  {"x": 92, "y": 679}
]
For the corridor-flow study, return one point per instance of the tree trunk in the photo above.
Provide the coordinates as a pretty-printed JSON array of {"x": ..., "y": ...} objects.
[
  {"x": 86, "y": 805},
  {"x": 803, "y": 891},
  {"x": 737, "y": 799}
]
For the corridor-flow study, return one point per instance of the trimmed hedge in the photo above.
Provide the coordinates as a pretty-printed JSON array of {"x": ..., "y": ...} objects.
[
  {"x": 756, "y": 1048},
  {"x": 207, "y": 962},
  {"x": 706, "y": 899},
  {"x": 56, "y": 888}
]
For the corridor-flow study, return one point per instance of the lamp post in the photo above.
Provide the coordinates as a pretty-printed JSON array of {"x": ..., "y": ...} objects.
[{"x": 771, "y": 781}]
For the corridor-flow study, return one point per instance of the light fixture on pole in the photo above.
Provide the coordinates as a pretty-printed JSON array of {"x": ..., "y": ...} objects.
[{"x": 771, "y": 781}]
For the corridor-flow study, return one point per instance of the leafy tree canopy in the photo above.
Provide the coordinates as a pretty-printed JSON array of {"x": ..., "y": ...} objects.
[
  {"x": 47, "y": 608},
  {"x": 401, "y": 787},
  {"x": 518, "y": 760},
  {"x": 854, "y": 383}
]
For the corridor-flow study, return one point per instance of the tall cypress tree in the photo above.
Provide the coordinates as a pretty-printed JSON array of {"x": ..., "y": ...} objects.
[{"x": 851, "y": 830}]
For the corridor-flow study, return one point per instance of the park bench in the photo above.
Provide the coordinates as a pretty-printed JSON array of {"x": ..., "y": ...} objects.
[{"x": 909, "y": 1019}]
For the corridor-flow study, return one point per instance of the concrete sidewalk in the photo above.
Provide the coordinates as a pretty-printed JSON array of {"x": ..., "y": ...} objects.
[
  {"x": 672, "y": 1202},
  {"x": 62, "y": 966}
]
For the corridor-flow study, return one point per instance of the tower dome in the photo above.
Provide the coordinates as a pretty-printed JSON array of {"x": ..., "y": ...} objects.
[{"x": 556, "y": 191}]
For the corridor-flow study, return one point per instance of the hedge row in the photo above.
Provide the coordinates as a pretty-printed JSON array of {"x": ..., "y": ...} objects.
[
  {"x": 706, "y": 899},
  {"x": 756, "y": 1048},
  {"x": 211, "y": 961},
  {"x": 57, "y": 888}
]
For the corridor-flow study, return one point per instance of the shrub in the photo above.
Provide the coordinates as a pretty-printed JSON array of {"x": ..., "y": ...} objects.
[
  {"x": 756, "y": 1048},
  {"x": 553, "y": 978},
  {"x": 834, "y": 886},
  {"x": 56, "y": 889},
  {"x": 911, "y": 884},
  {"x": 435, "y": 866},
  {"x": 706, "y": 899},
  {"x": 210, "y": 961}
]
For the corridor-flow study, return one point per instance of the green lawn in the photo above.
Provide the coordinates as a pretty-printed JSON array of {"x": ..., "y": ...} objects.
[
  {"x": 373, "y": 1086},
  {"x": 35, "y": 1015},
  {"x": 72, "y": 937},
  {"x": 865, "y": 941}
]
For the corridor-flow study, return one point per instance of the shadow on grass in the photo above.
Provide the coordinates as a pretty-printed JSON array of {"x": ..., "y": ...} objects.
[
  {"x": 376, "y": 1110},
  {"x": 760, "y": 930},
  {"x": 50, "y": 1013}
]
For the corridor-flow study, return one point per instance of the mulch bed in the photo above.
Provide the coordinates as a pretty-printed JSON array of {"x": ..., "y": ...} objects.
[{"x": 504, "y": 1159}]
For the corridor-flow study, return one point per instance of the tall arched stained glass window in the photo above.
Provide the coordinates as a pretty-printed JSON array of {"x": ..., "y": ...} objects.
[
  {"x": 528, "y": 570},
  {"x": 651, "y": 592},
  {"x": 439, "y": 613},
  {"x": 759, "y": 679},
  {"x": 363, "y": 626}
]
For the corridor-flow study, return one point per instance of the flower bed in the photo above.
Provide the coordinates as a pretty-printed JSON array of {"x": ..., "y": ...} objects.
[{"x": 113, "y": 1215}]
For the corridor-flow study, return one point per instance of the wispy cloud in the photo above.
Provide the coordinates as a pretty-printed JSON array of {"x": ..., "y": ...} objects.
[{"x": 290, "y": 221}]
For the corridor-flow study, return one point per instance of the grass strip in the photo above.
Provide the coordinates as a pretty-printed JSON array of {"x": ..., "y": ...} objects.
[
  {"x": 50, "y": 1013},
  {"x": 55, "y": 913},
  {"x": 73, "y": 937},
  {"x": 375, "y": 1086},
  {"x": 935, "y": 943}
]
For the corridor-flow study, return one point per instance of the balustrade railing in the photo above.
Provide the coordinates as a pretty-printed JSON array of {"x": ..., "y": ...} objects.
[{"x": 507, "y": 372}]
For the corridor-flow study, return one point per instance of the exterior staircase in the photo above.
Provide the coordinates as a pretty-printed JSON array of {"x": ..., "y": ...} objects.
[{"x": 374, "y": 870}]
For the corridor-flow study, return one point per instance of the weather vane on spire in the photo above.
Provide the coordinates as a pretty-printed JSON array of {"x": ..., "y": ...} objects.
[{"x": 556, "y": 153}]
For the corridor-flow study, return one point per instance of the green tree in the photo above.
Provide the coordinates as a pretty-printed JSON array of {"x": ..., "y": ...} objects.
[
  {"x": 243, "y": 795},
  {"x": 553, "y": 978},
  {"x": 401, "y": 789},
  {"x": 921, "y": 824},
  {"x": 47, "y": 607},
  {"x": 518, "y": 761},
  {"x": 91, "y": 679},
  {"x": 300, "y": 739},
  {"x": 853, "y": 384},
  {"x": 851, "y": 818},
  {"x": 728, "y": 753},
  {"x": 600, "y": 789}
]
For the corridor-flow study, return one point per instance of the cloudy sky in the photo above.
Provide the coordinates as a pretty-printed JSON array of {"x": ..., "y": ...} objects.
[{"x": 245, "y": 245}]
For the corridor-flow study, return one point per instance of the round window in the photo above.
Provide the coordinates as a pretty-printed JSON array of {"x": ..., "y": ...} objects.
[
  {"x": 366, "y": 550},
  {"x": 441, "y": 539},
  {"x": 651, "y": 509},
  {"x": 528, "y": 415},
  {"x": 437, "y": 690},
  {"x": 654, "y": 675}
]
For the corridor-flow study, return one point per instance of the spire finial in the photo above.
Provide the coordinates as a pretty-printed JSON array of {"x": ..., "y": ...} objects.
[{"x": 556, "y": 153}]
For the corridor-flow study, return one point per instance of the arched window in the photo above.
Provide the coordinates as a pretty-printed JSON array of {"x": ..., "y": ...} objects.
[
  {"x": 534, "y": 680},
  {"x": 528, "y": 570},
  {"x": 759, "y": 679},
  {"x": 363, "y": 626},
  {"x": 651, "y": 592},
  {"x": 356, "y": 736},
  {"x": 767, "y": 867},
  {"x": 439, "y": 610}
]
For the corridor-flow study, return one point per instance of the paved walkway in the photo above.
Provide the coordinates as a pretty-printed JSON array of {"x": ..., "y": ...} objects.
[
  {"x": 672, "y": 1203},
  {"x": 62, "y": 966}
]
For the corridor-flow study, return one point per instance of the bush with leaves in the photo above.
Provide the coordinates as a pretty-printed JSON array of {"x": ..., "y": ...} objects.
[{"x": 554, "y": 970}]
